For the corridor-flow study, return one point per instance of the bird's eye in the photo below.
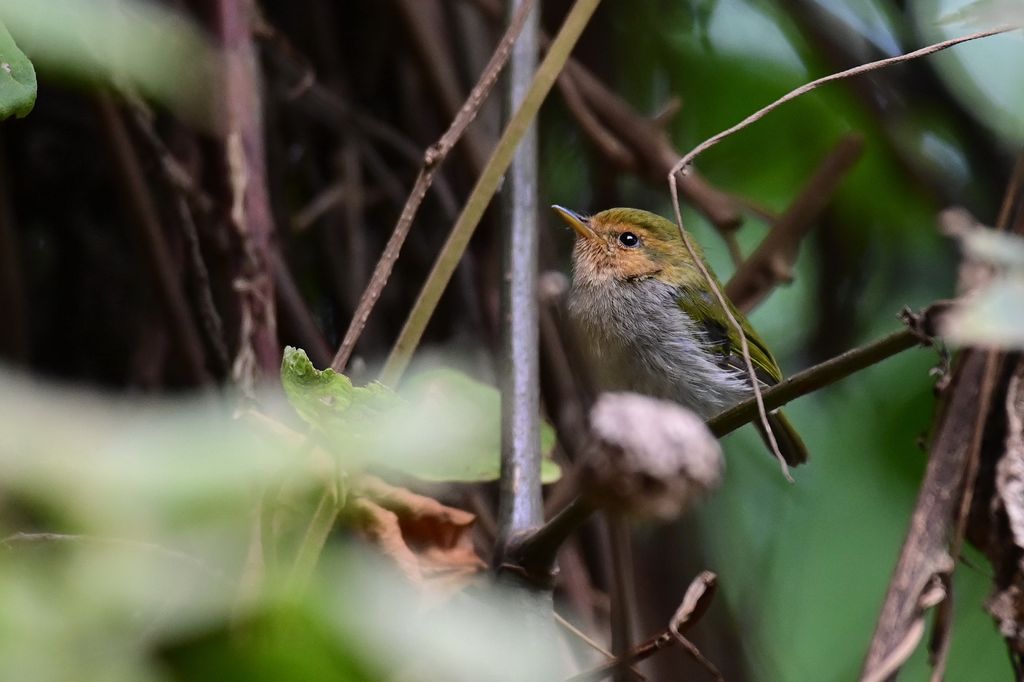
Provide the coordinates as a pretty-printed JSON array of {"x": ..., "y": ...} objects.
[{"x": 629, "y": 240}]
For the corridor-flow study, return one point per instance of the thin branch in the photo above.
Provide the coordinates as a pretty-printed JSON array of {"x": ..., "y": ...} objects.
[
  {"x": 604, "y": 139},
  {"x": 534, "y": 554},
  {"x": 152, "y": 240},
  {"x": 694, "y": 605},
  {"x": 684, "y": 163},
  {"x": 815, "y": 378},
  {"x": 259, "y": 354},
  {"x": 485, "y": 188},
  {"x": 433, "y": 158},
  {"x": 744, "y": 344},
  {"x": 687, "y": 160},
  {"x": 925, "y": 553}
]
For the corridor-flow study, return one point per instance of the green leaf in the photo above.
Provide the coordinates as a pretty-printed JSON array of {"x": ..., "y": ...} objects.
[
  {"x": 987, "y": 13},
  {"x": 477, "y": 408},
  {"x": 325, "y": 398},
  {"x": 443, "y": 426},
  {"x": 17, "y": 79}
]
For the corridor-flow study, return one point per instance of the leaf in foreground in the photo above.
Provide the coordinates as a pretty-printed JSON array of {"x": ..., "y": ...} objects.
[
  {"x": 17, "y": 79},
  {"x": 442, "y": 426}
]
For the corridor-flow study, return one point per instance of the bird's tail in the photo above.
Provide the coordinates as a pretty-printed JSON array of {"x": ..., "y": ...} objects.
[{"x": 790, "y": 444}]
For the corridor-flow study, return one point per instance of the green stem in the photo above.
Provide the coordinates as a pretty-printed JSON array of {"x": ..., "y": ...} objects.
[
  {"x": 484, "y": 190},
  {"x": 313, "y": 542}
]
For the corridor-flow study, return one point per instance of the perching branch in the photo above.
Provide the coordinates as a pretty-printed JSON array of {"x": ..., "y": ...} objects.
[
  {"x": 535, "y": 554},
  {"x": 432, "y": 160},
  {"x": 815, "y": 378},
  {"x": 484, "y": 190}
]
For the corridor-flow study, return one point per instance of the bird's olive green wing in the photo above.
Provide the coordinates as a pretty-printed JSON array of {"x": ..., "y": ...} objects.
[{"x": 722, "y": 338}]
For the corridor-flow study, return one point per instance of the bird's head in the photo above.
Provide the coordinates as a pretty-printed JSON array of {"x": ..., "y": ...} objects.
[{"x": 627, "y": 244}]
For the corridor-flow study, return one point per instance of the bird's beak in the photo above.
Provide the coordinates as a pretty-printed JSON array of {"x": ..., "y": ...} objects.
[{"x": 576, "y": 222}]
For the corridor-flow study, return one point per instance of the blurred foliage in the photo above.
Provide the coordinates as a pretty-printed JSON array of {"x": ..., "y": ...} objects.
[
  {"x": 804, "y": 568},
  {"x": 128, "y": 523},
  {"x": 456, "y": 421},
  {"x": 992, "y": 312},
  {"x": 149, "y": 581},
  {"x": 139, "y": 46},
  {"x": 17, "y": 79}
]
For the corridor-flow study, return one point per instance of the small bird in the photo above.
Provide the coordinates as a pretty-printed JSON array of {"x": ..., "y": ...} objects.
[{"x": 651, "y": 324}]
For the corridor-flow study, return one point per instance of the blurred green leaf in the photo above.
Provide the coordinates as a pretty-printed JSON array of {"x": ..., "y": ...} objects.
[
  {"x": 17, "y": 79},
  {"x": 478, "y": 408},
  {"x": 141, "y": 46},
  {"x": 443, "y": 426},
  {"x": 986, "y": 13},
  {"x": 324, "y": 398},
  {"x": 993, "y": 316}
]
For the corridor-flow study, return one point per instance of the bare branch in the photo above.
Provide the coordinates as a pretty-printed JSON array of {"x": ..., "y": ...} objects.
[
  {"x": 487, "y": 185},
  {"x": 433, "y": 158},
  {"x": 687, "y": 160}
]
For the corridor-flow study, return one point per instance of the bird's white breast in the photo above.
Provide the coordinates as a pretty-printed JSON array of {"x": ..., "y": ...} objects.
[{"x": 638, "y": 339}]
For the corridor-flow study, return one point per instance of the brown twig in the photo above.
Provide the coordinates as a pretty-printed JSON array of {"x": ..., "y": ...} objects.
[
  {"x": 645, "y": 139},
  {"x": 258, "y": 355},
  {"x": 815, "y": 378},
  {"x": 605, "y": 140},
  {"x": 940, "y": 516},
  {"x": 685, "y": 162},
  {"x": 772, "y": 261},
  {"x": 694, "y": 605},
  {"x": 434, "y": 156},
  {"x": 925, "y": 553},
  {"x": 744, "y": 344},
  {"x": 145, "y": 219}
]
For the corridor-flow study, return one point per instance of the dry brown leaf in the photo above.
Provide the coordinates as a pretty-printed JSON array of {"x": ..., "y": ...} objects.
[{"x": 429, "y": 541}]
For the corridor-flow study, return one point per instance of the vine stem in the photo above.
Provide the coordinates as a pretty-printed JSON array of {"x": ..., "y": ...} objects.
[{"x": 483, "y": 191}]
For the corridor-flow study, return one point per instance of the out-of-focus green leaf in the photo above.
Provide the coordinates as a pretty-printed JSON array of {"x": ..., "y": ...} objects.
[
  {"x": 985, "y": 13},
  {"x": 325, "y": 398},
  {"x": 150, "y": 511},
  {"x": 443, "y": 426},
  {"x": 17, "y": 79},
  {"x": 993, "y": 313},
  {"x": 979, "y": 73},
  {"x": 126, "y": 43},
  {"x": 991, "y": 317},
  {"x": 477, "y": 408}
]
